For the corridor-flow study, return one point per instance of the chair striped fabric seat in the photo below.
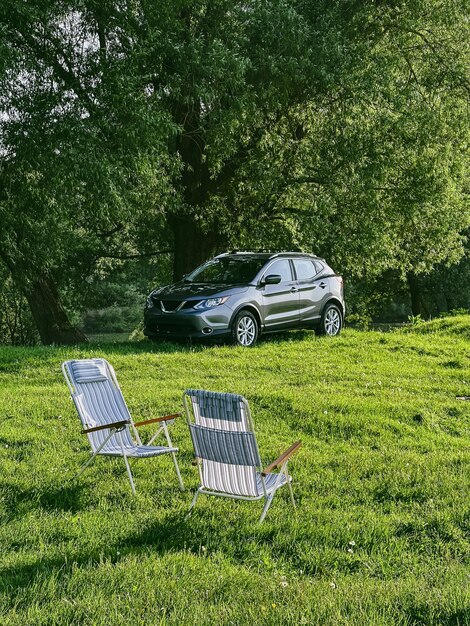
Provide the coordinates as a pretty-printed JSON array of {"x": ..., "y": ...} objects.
[
  {"x": 140, "y": 452},
  {"x": 271, "y": 482},
  {"x": 225, "y": 445},
  {"x": 105, "y": 417}
]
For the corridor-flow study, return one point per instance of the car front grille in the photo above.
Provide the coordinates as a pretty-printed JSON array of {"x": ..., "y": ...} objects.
[{"x": 171, "y": 305}]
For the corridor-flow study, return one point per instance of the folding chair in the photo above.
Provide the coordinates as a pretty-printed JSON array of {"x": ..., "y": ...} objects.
[
  {"x": 106, "y": 419},
  {"x": 227, "y": 452}
]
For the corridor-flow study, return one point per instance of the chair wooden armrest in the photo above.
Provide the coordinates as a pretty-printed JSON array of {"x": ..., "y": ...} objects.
[
  {"x": 105, "y": 426},
  {"x": 164, "y": 418},
  {"x": 284, "y": 457}
]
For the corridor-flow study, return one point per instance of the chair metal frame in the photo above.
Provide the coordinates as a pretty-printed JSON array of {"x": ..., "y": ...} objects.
[
  {"x": 119, "y": 426},
  {"x": 280, "y": 463}
]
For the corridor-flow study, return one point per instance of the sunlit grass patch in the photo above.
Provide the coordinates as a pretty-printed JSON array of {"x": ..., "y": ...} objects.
[{"x": 381, "y": 532}]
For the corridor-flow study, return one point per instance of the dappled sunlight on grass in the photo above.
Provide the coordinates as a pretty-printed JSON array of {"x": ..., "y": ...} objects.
[{"x": 381, "y": 532}]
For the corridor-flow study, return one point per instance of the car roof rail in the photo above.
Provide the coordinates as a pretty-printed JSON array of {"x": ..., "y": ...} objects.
[
  {"x": 294, "y": 253},
  {"x": 272, "y": 253}
]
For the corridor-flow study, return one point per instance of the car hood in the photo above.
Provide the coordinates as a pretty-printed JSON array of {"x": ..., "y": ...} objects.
[{"x": 196, "y": 291}]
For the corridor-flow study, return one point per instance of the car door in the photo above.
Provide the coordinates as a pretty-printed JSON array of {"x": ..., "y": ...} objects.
[
  {"x": 312, "y": 290},
  {"x": 280, "y": 303}
]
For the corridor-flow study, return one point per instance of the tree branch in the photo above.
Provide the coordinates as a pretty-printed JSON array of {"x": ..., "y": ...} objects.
[{"x": 137, "y": 255}]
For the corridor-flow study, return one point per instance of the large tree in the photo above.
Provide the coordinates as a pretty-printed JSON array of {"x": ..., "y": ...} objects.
[
  {"x": 132, "y": 127},
  {"x": 74, "y": 152}
]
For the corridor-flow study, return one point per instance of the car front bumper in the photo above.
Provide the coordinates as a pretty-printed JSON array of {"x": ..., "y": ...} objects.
[{"x": 190, "y": 323}]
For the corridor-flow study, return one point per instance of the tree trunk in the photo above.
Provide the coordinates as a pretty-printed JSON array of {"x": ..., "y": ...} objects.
[
  {"x": 49, "y": 315},
  {"x": 417, "y": 306},
  {"x": 192, "y": 246}
]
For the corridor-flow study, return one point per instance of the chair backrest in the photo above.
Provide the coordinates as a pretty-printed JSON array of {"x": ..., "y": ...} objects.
[
  {"x": 222, "y": 434},
  {"x": 98, "y": 399}
]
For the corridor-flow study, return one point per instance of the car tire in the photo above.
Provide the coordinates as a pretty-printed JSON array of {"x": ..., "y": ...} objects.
[
  {"x": 245, "y": 329},
  {"x": 331, "y": 321}
]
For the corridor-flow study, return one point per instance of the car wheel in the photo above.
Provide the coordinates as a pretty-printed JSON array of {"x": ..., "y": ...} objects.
[
  {"x": 331, "y": 321},
  {"x": 245, "y": 329}
]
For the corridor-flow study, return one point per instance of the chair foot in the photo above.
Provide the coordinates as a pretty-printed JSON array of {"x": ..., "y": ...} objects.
[
  {"x": 193, "y": 504},
  {"x": 129, "y": 474},
  {"x": 180, "y": 480},
  {"x": 291, "y": 493},
  {"x": 267, "y": 504}
]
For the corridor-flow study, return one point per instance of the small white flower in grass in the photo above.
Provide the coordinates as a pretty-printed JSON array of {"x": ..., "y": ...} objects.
[
  {"x": 333, "y": 585},
  {"x": 284, "y": 583},
  {"x": 352, "y": 543},
  {"x": 203, "y": 548},
  {"x": 325, "y": 412},
  {"x": 350, "y": 550}
]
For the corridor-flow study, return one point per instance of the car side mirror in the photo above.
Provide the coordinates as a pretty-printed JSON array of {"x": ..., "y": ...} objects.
[{"x": 272, "y": 279}]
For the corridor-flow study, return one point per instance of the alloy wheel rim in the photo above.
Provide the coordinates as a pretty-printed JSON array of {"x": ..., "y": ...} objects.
[
  {"x": 332, "y": 322},
  {"x": 246, "y": 331}
]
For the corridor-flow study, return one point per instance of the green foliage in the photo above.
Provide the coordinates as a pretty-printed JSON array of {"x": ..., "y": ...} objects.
[
  {"x": 113, "y": 319},
  {"x": 186, "y": 127},
  {"x": 380, "y": 536},
  {"x": 16, "y": 324}
]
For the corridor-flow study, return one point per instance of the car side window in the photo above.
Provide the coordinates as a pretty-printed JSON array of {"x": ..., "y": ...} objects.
[
  {"x": 304, "y": 269},
  {"x": 282, "y": 268}
]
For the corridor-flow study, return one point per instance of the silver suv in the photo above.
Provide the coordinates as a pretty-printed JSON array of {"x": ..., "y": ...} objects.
[{"x": 244, "y": 294}]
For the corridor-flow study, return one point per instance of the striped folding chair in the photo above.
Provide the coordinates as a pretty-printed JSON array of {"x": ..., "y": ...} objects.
[
  {"x": 106, "y": 419},
  {"x": 227, "y": 452}
]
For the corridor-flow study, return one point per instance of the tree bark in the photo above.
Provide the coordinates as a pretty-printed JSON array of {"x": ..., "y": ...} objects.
[
  {"x": 417, "y": 306},
  {"x": 191, "y": 245},
  {"x": 49, "y": 315}
]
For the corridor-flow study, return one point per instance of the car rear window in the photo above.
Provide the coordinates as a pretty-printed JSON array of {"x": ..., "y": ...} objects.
[{"x": 304, "y": 269}]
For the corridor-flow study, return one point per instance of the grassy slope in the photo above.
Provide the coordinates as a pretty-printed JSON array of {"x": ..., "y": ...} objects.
[{"x": 385, "y": 465}]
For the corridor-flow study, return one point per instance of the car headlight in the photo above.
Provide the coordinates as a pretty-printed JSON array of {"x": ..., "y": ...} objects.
[{"x": 211, "y": 303}]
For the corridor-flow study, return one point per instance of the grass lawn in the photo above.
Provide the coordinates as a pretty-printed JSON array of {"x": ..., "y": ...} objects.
[{"x": 381, "y": 535}]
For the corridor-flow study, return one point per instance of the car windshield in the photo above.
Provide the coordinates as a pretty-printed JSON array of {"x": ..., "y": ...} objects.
[{"x": 226, "y": 271}]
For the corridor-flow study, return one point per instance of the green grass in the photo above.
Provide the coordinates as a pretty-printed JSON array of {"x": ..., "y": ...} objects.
[{"x": 385, "y": 464}]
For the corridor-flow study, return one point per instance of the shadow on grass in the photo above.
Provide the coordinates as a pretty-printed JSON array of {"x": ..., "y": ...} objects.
[
  {"x": 18, "y": 502},
  {"x": 174, "y": 345},
  {"x": 174, "y": 533},
  {"x": 65, "y": 498},
  {"x": 420, "y": 615}
]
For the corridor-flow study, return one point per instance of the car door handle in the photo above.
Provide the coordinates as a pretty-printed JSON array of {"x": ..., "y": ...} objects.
[
  {"x": 294, "y": 290},
  {"x": 322, "y": 285}
]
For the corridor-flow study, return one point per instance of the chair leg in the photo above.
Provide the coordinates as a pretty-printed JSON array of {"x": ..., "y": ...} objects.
[
  {"x": 129, "y": 473},
  {"x": 94, "y": 455},
  {"x": 150, "y": 442},
  {"x": 193, "y": 504},
  {"x": 291, "y": 493},
  {"x": 267, "y": 504},
  {"x": 84, "y": 466},
  {"x": 180, "y": 480}
]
